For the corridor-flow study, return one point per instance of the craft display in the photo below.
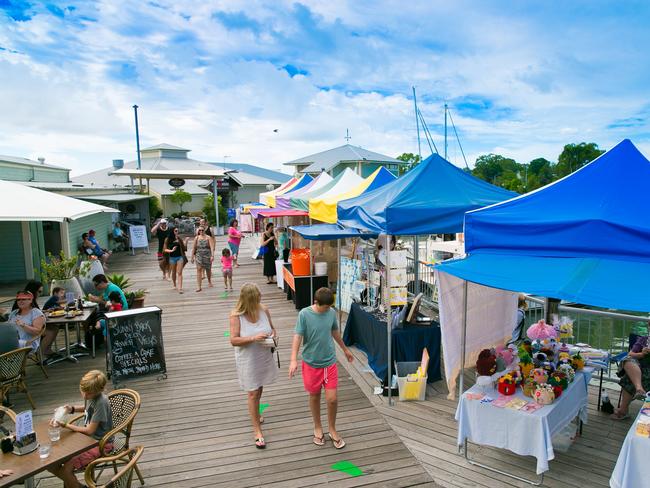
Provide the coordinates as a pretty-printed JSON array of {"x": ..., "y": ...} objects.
[
  {"x": 485, "y": 383},
  {"x": 527, "y": 346},
  {"x": 557, "y": 391},
  {"x": 541, "y": 330},
  {"x": 539, "y": 376},
  {"x": 529, "y": 386},
  {"x": 578, "y": 362},
  {"x": 558, "y": 379},
  {"x": 567, "y": 370},
  {"x": 565, "y": 328},
  {"x": 486, "y": 364},
  {"x": 506, "y": 385},
  {"x": 525, "y": 364},
  {"x": 544, "y": 394}
]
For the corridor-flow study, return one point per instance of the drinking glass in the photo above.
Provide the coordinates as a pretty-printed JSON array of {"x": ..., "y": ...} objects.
[
  {"x": 54, "y": 433},
  {"x": 44, "y": 450}
]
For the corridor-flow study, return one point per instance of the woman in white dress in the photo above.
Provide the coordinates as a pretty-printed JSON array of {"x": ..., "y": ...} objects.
[{"x": 250, "y": 326}]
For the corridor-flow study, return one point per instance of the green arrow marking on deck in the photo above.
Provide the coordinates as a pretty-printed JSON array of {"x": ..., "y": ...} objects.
[
  {"x": 348, "y": 468},
  {"x": 226, "y": 334},
  {"x": 263, "y": 406},
  {"x": 224, "y": 294}
]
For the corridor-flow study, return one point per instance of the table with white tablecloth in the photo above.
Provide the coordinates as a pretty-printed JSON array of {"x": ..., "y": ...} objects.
[
  {"x": 526, "y": 434},
  {"x": 632, "y": 467}
]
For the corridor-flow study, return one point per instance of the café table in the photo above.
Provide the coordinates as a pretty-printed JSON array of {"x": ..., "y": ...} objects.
[
  {"x": 64, "y": 322},
  {"x": 25, "y": 467}
]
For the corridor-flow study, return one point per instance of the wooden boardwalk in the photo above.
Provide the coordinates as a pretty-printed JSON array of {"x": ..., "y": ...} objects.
[{"x": 194, "y": 425}]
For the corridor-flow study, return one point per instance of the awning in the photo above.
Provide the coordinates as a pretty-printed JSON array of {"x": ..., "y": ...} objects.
[
  {"x": 268, "y": 197},
  {"x": 116, "y": 197},
  {"x": 344, "y": 179},
  {"x": 22, "y": 203},
  {"x": 328, "y": 232},
  {"x": 272, "y": 213},
  {"x": 284, "y": 200}
]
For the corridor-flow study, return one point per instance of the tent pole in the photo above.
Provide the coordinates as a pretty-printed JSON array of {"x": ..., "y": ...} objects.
[
  {"x": 216, "y": 205},
  {"x": 311, "y": 270},
  {"x": 464, "y": 341},
  {"x": 389, "y": 322},
  {"x": 416, "y": 263},
  {"x": 338, "y": 279}
]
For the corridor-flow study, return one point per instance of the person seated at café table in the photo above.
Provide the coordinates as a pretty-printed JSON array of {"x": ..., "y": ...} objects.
[
  {"x": 28, "y": 320},
  {"x": 106, "y": 288},
  {"x": 98, "y": 421},
  {"x": 92, "y": 247},
  {"x": 56, "y": 300},
  {"x": 635, "y": 376}
]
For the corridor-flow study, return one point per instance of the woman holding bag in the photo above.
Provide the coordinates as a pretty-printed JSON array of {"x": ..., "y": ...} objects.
[
  {"x": 268, "y": 243},
  {"x": 175, "y": 248},
  {"x": 250, "y": 331}
]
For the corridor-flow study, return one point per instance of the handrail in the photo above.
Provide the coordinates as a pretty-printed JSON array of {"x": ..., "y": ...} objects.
[{"x": 588, "y": 311}]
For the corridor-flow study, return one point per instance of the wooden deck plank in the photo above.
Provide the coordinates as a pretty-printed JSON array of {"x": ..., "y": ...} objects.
[{"x": 195, "y": 426}]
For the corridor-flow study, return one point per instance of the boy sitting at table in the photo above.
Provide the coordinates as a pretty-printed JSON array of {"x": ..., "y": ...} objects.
[
  {"x": 97, "y": 422},
  {"x": 57, "y": 300}
]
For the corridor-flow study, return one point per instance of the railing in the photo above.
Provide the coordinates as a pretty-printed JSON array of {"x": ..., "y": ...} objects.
[
  {"x": 427, "y": 285},
  {"x": 601, "y": 329}
]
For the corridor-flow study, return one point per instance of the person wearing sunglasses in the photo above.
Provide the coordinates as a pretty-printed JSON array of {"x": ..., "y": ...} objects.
[{"x": 203, "y": 254}]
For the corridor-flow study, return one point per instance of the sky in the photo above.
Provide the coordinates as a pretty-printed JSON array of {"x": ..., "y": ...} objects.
[{"x": 265, "y": 82}]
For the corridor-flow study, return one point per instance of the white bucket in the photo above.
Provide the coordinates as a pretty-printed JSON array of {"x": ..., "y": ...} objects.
[{"x": 320, "y": 269}]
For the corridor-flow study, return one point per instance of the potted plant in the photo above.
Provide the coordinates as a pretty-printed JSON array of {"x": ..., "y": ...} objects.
[
  {"x": 136, "y": 298},
  {"x": 60, "y": 271}
]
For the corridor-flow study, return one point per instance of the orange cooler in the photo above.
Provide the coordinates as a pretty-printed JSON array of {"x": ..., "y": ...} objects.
[{"x": 300, "y": 262}]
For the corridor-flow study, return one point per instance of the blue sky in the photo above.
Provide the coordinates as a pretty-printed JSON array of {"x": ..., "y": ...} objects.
[{"x": 521, "y": 78}]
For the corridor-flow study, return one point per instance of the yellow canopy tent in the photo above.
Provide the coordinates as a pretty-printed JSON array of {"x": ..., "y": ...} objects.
[
  {"x": 268, "y": 197},
  {"x": 324, "y": 209}
]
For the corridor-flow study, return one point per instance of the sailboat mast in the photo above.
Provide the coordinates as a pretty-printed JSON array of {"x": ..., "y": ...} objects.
[
  {"x": 417, "y": 122},
  {"x": 445, "y": 132}
]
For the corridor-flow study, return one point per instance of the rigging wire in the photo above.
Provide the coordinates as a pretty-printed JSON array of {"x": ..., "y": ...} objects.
[
  {"x": 427, "y": 134},
  {"x": 458, "y": 139}
]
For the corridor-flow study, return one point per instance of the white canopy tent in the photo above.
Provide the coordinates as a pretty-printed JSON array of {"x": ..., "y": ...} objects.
[{"x": 23, "y": 203}]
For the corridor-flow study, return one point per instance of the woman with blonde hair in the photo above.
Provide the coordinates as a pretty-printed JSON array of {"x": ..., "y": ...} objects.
[{"x": 251, "y": 329}]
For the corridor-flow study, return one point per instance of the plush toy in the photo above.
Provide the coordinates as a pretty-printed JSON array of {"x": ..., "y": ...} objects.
[
  {"x": 550, "y": 354},
  {"x": 486, "y": 364},
  {"x": 539, "y": 375},
  {"x": 568, "y": 371},
  {"x": 564, "y": 357},
  {"x": 558, "y": 379},
  {"x": 541, "y": 330},
  {"x": 526, "y": 345},
  {"x": 506, "y": 385},
  {"x": 578, "y": 362},
  {"x": 544, "y": 394},
  {"x": 539, "y": 358},
  {"x": 525, "y": 364},
  {"x": 548, "y": 366}
]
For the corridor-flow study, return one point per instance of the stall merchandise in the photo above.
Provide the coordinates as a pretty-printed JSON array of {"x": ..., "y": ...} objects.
[
  {"x": 299, "y": 288},
  {"x": 368, "y": 332}
]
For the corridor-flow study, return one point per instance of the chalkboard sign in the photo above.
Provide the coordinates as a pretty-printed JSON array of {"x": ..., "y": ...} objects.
[{"x": 135, "y": 344}]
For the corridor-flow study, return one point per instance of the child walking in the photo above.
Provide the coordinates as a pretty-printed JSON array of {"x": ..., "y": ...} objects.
[
  {"x": 226, "y": 268},
  {"x": 97, "y": 423},
  {"x": 317, "y": 329}
]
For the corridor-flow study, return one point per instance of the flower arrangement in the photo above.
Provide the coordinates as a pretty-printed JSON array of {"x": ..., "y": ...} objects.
[
  {"x": 539, "y": 375},
  {"x": 568, "y": 371},
  {"x": 559, "y": 379},
  {"x": 506, "y": 384},
  {"x": 529, "y": 387},
  {"x": 544, "y": 394},
  {"x": 541, "y": 330}
]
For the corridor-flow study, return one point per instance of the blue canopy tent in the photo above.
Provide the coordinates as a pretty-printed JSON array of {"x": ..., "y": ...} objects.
[
  {"x": 432, "y": 198},
  {"x": 584, "y": 238},
  {"x": 328, "y": 232}
]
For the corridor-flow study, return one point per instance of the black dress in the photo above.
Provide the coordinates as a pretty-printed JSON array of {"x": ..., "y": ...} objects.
[{"x": 269, "y": 257}]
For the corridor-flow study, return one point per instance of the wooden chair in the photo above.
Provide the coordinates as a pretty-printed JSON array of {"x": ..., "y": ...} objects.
[
  {"x": 12, "y": 373},
  {"x": 123, "y": 477},
  {"x": 8, "y": 412},
  {"x": 125, "y": 405}
]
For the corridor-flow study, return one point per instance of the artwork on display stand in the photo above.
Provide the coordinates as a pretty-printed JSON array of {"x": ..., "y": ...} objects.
[
  {"x": 398, "y": 279},
  {"x": 350, "y": 274}
]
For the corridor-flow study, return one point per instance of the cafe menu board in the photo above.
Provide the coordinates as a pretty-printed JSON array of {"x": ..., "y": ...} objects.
[{"x": 135, "y": 343}]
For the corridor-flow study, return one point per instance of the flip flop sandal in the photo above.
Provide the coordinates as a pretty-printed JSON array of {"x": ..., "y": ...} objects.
[
  {"x": 259, "y": 443},
  {"x": 261, "y": 419},
  {"x": 319, "y": 441},
  {"x": 338, "y": 443},
  {"x": 616, "y": 416}
]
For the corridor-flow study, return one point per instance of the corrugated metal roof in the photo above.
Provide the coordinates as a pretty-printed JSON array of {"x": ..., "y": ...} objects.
[
  {"x": 29, "y": 162},
  {"x": 168, "y": 147},
  {"x": 327, "y": 160}
]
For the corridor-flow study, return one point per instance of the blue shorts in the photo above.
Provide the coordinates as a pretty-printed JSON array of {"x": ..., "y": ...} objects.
[
  {"x": 234, "y": 248},
  {"x": 175, "y": 259}
]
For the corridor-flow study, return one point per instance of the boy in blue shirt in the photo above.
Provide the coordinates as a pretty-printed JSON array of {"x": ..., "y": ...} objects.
[{"x": 317, "y": 329}]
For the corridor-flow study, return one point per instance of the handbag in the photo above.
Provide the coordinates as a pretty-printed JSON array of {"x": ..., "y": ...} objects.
[
  {"x": 275, "y": 350},
  {"x": 262, "y": 251}
]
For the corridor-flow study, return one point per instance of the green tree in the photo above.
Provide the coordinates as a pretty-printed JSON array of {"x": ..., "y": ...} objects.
[
  {"x": 494, "y": 168},
  {"x": 540, "y": 172},
  {"x": 412, "y": 159},
  {"x": 181, "y": 197},
  {"x": 155, "y": 210},
  {"x": 575, "y": 156},
  {"x": 208, "y": 211}
]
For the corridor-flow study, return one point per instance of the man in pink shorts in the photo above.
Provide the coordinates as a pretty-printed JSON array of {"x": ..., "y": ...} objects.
[{"x": 317, "y": 329}]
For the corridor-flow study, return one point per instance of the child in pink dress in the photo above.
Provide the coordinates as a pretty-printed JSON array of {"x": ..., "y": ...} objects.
[{"x": 226, "y": 268}]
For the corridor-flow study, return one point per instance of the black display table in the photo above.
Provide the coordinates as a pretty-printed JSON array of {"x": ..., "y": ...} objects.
[
  {"x": 368, "y": 333},
  {"x": 298, "y": 288}
]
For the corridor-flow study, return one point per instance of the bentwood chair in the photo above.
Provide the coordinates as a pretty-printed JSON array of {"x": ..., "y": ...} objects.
[
  {"x": 122, "y": 478},
  {"x": 12, "y": 373},
  {"x": 125, "y": 405},
  {"x": 37, "y": 356}
]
